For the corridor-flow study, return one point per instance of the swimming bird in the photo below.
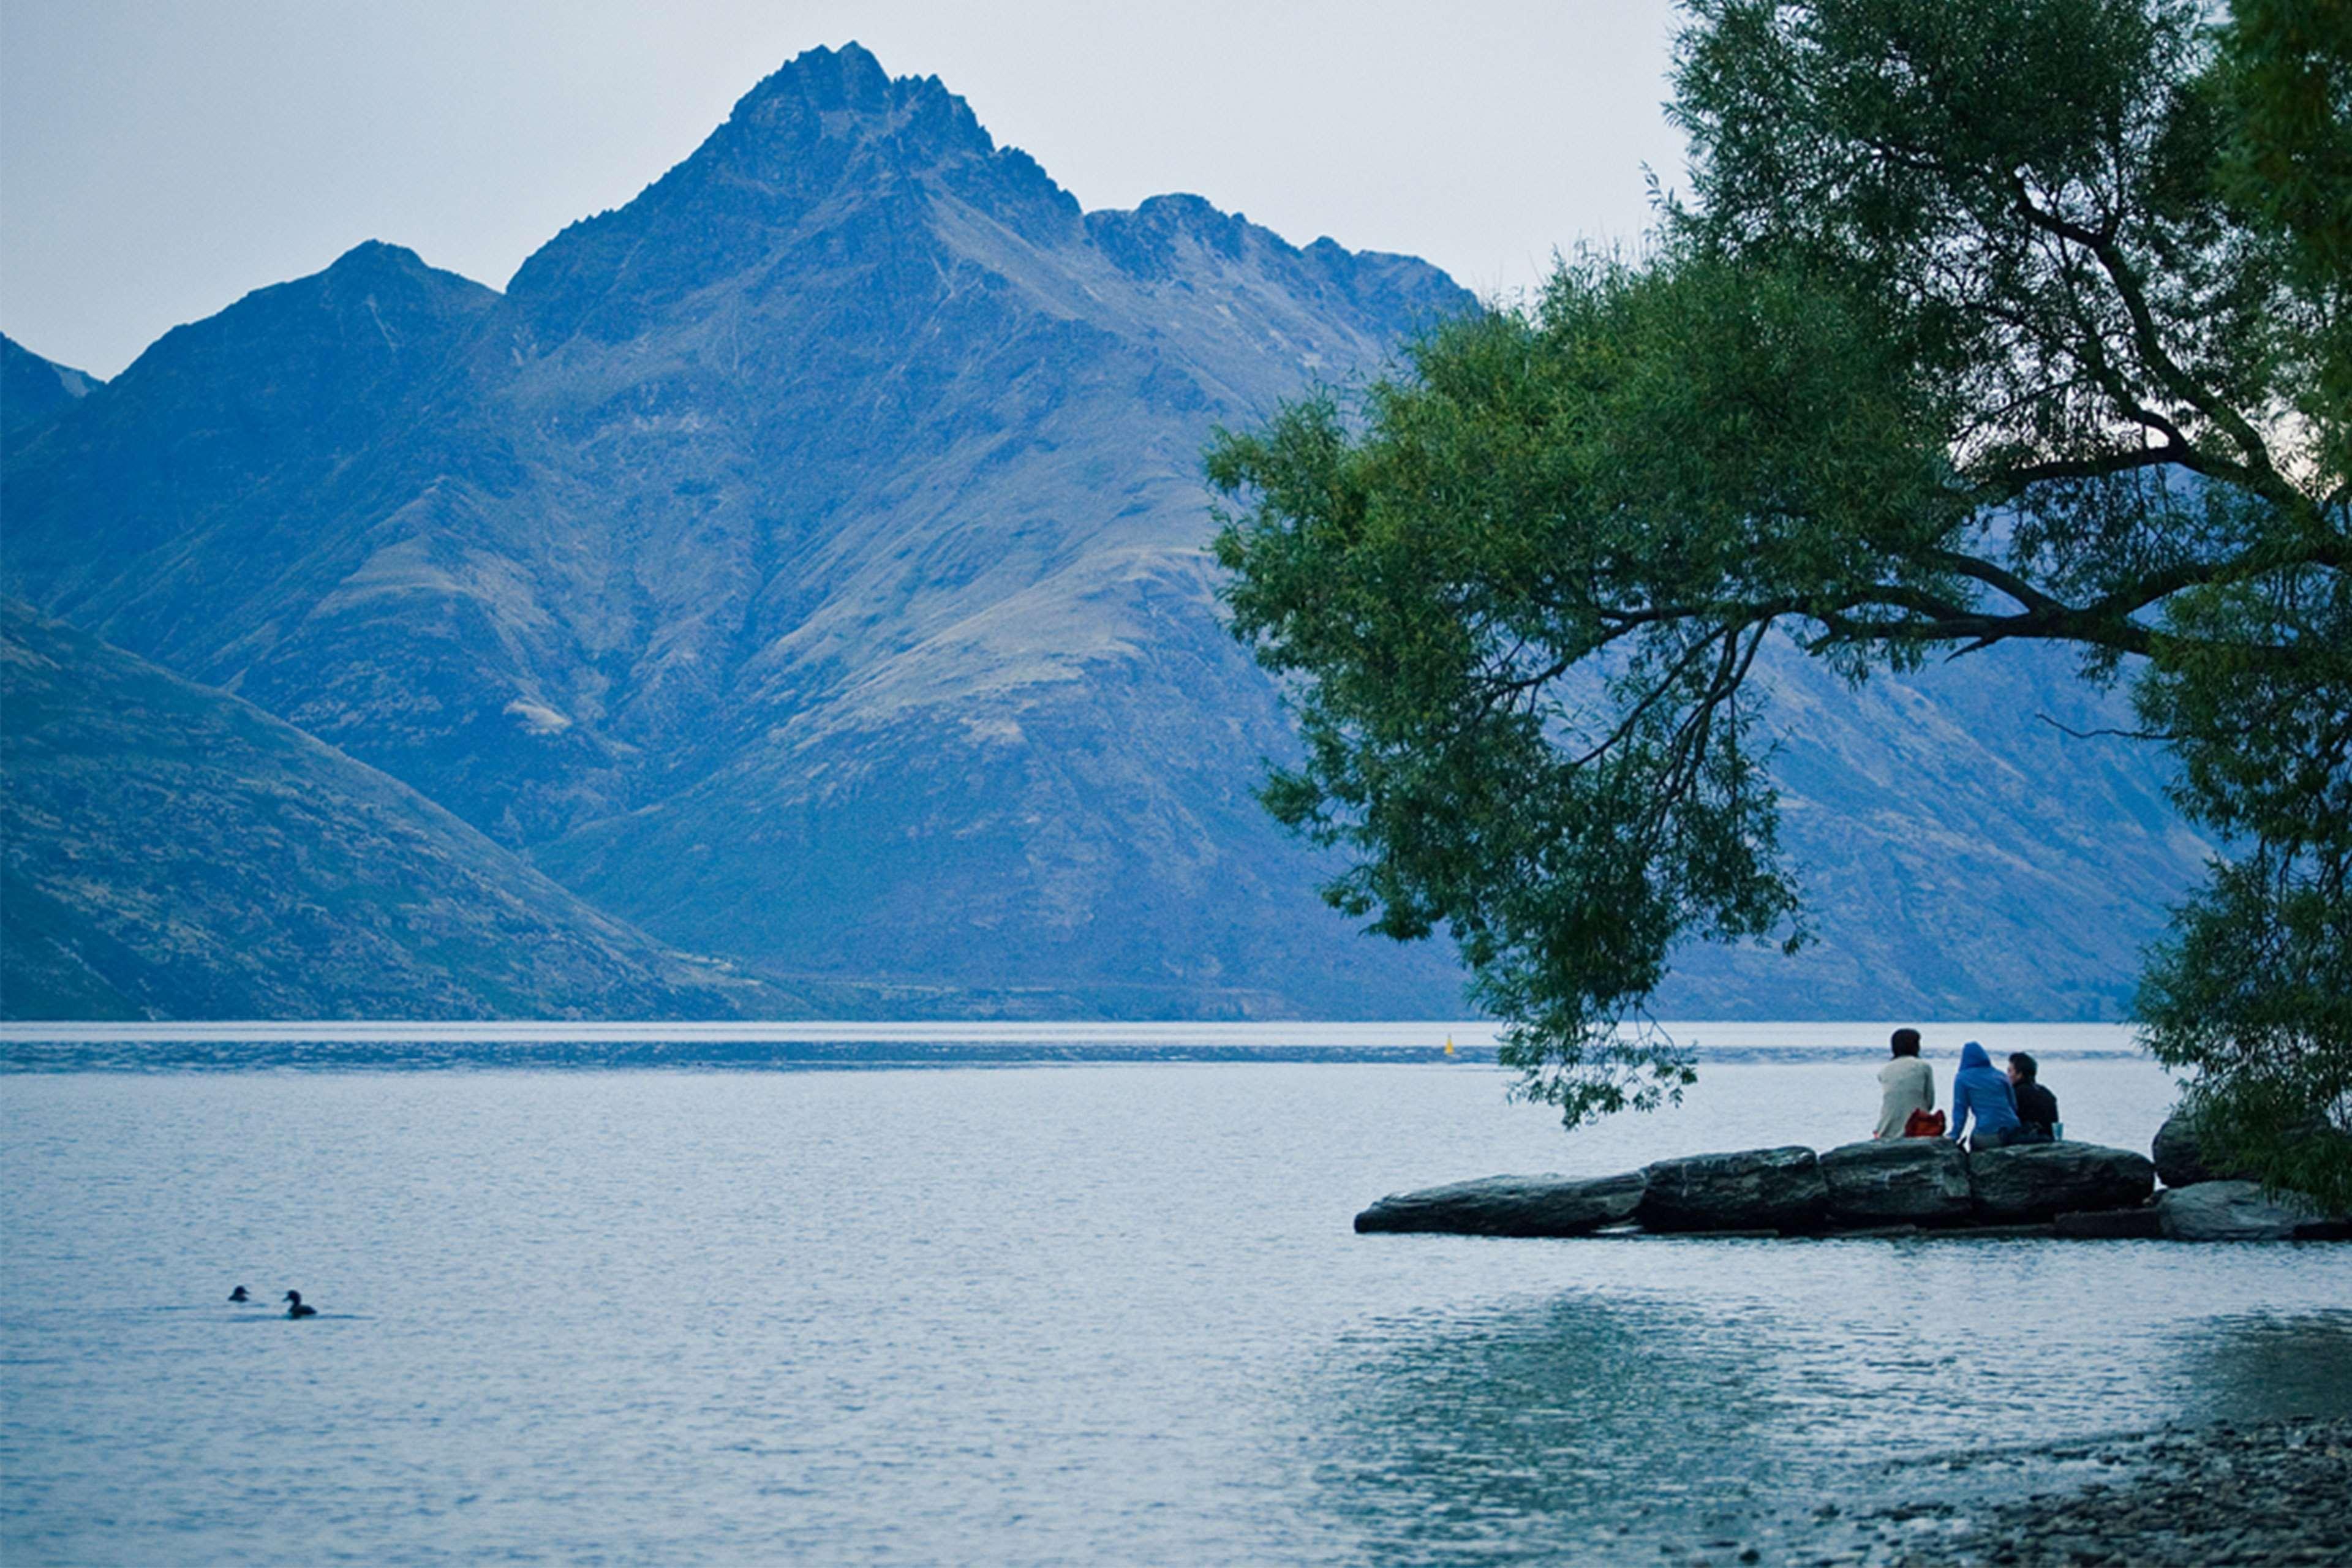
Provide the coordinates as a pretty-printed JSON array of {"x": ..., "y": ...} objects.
[
  {"x": 298, "y": 1310},
  {"x": 238, "y": 1295}
]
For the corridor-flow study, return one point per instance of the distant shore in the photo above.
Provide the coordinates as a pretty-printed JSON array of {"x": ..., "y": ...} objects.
[
  {"x": 1808, "y": 1038},
  {"x": 149, "y": 1046}
]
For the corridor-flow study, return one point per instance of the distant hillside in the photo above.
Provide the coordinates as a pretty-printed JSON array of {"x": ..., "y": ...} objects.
[
  {"x": 167, "y": 851},
  {"x": 32, "y": 389},
  {"x": 806, "y": 562}
]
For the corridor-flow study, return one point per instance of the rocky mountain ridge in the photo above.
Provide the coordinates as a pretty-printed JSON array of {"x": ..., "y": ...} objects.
[
  {"x": 33, "y": 389},
  {"x": 806, "y": 562}
]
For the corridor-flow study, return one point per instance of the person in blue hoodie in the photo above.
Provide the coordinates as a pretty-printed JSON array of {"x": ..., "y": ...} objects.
[{"x": 1983, "y": 1089}]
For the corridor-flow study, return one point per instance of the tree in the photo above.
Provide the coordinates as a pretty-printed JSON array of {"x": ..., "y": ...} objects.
[{"x": 1982, "y": 324}]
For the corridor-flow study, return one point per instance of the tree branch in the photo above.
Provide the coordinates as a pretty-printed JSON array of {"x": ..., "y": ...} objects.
[
  {"x": 2012, "y": 482},
  {"x": 2095, "y": 734},
  {"x": 2131, "y": 294},
  {"x": 1993, "y": 576}
]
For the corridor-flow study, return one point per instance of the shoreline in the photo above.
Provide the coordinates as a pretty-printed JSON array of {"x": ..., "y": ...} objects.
[{"x": 2217, "y": 1496}]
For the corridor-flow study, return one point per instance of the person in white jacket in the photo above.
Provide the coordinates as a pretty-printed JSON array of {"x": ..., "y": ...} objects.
[{"x": 1905, "y": 1085}]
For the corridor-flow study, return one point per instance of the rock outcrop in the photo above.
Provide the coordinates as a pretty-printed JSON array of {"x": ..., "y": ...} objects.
[
  {"x": 1897, "y": 1180},
  {"x": 2042, "y": 1181},
  {"x": 2180, "y": 1160},
  {"x": 1898, "y": 1187},
  {"x": 1510, "y": 1205},
  {"x": 2235, "y": 1211},
  {"x": 2185, "y": 1160},
  {"x": 1754, "y": 1189}
]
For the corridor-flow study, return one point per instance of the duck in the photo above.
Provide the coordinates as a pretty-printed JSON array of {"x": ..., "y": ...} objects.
[
  {"x": 238, "y": 1295},
  {"x": 298, "y": 1310}
]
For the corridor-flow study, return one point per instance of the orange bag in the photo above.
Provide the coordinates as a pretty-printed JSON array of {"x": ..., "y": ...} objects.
[{"x": 1924, "y": 1124}]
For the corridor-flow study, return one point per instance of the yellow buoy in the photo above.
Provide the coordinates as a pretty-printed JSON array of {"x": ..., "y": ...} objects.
[{"x": 1449, "y": 1044}]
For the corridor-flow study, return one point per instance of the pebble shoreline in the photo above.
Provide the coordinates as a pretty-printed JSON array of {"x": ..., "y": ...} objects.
[{"x": 2245, "y": 1495}]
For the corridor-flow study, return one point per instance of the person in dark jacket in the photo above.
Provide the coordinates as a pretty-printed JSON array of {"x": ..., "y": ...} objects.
[
  {"x": 1982, "y": 1088},
  {"x": 2037, "y": 1108}
]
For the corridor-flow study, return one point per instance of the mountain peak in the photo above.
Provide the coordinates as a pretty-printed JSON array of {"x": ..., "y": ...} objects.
[
  {"x": 829, "y": 135},
  {"x": 845, "y": 96},
  {"x": 373, "y": 306},
  {"x": 377, "y": 257},
  {"x": 392, "y": 286},
  {"x": 848, "y": 78},
  {"x": 33, "y": 389}
]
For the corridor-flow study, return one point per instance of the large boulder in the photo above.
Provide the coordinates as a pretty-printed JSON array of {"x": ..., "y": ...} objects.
[
  {"x": 2180, "y": 1161},
  {"x": 1755, "y": 1189},
  {"x": 1510, "y": 1205},
  {"x": 2183, "y": 1160},
  {"x": 2236, "y": 1211},
  {"x": 1892, "y": 1181},
  {"x": 2042, "y": 1181}
]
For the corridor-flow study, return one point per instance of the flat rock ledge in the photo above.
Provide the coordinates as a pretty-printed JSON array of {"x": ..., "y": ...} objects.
[
  {"x": 1754, "y": 1189},
  {"x": 1510, "y": 1205},
  {"x": 2238, "y": 1211},
  {"x": 1899, "y": 1187},
  {"x": 2042, "y": 1181},
  {"x": 1897, "y": 1180}
]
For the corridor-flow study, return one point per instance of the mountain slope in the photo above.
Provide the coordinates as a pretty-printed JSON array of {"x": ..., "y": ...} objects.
[
  {"x": 1960, "y": 854},
  {"x": 33, "y": 389},
  {"x": 169, "y": 851},
  {"x": 805, "y": 561},
  {"x": 851, "y": 453}
]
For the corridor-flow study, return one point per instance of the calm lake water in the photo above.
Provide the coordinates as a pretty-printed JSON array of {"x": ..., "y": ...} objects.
[{"x": 1074, "y": 1313}]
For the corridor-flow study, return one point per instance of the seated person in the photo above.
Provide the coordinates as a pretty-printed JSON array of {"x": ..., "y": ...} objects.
[
  {"x": 1981, "y": 1088},
  {"x": 2037, "y": 1108},
  {"x": 1905, "y": 1085}
]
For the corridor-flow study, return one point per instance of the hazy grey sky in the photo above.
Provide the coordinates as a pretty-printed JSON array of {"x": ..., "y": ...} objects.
[{"x": 158, "y": 160}]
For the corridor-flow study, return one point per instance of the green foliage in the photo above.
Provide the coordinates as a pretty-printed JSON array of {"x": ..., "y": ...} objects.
[
  {"x": 2284, "y": 77},
  {"x": 2252, "y": 996},
  {"x": 2282, "y": 84},
  {"x": 1980, "y": 324}
]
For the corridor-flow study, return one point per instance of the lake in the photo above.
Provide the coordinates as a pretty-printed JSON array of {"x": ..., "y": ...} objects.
[{"x": 1082, "y": 1311}]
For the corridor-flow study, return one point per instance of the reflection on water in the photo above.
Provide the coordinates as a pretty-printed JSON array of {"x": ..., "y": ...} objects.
[
  {"x": 1448, "y": 1437},
  {"x": 1570, "y": 1428},
  {"x": 2259, "y": 1366}
]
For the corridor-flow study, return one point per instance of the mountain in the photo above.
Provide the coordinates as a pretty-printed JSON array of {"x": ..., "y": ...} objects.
[
  {"x": 33, "y": 389},
  {"x": 836, "y": 504},
  {"x": 169, "y": 851},
  {"x": 1962, "y": 854},
  {"x": 804, "y": 562}
]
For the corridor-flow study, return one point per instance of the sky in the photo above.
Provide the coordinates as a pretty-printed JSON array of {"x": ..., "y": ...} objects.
[{"x": 160, "y": 160}]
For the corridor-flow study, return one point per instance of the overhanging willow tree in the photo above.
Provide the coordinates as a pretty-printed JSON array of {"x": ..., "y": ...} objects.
[{"x": 2021, "y": 320}]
